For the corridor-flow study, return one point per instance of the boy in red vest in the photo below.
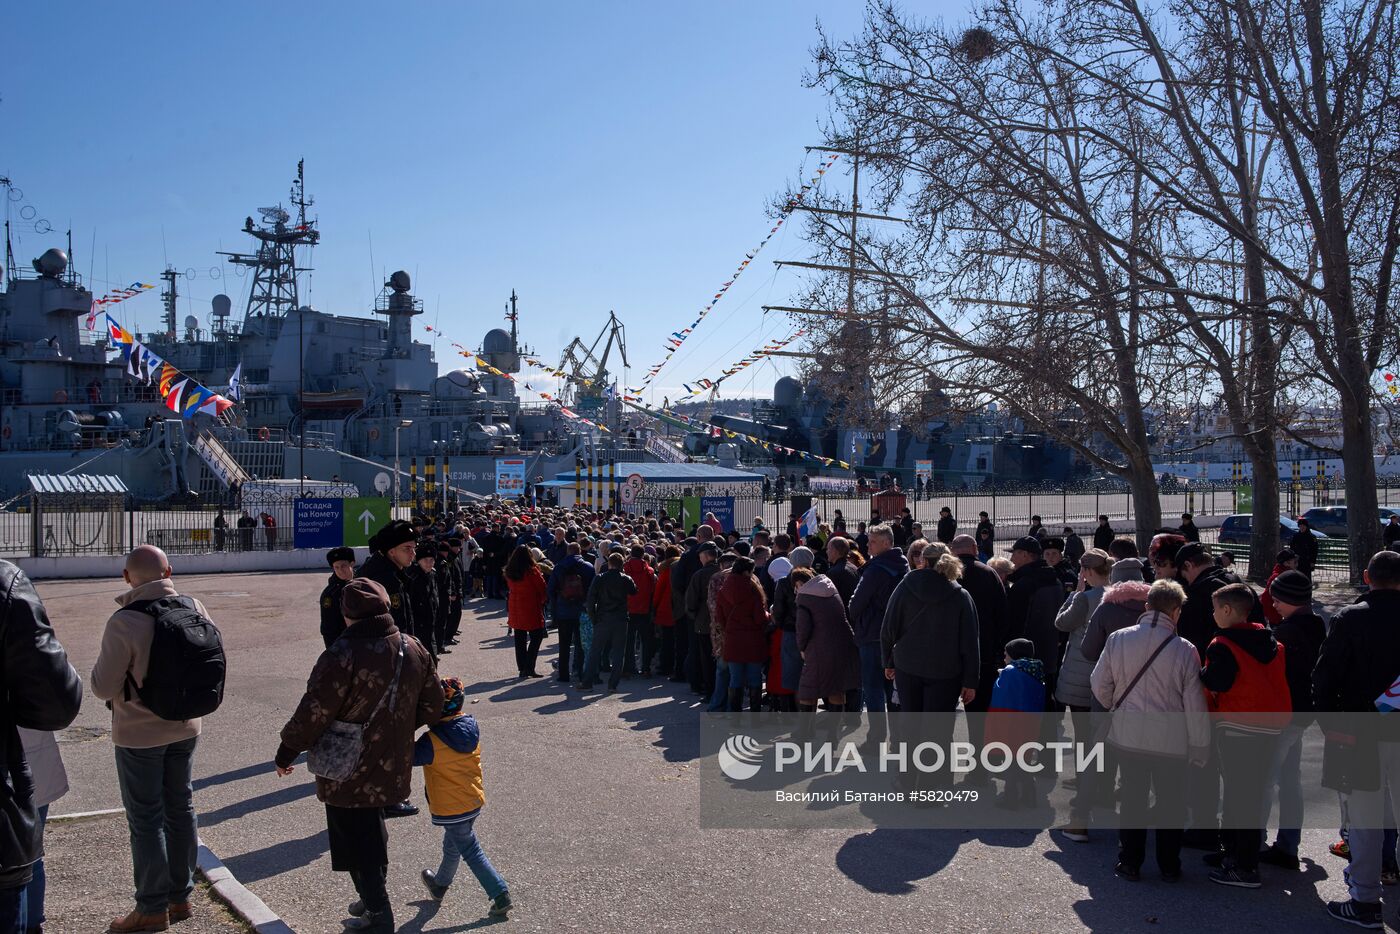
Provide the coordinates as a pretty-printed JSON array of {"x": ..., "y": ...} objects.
[
  {"x": 450, "y": 754},
  {"x": 1247, "y": 692}
]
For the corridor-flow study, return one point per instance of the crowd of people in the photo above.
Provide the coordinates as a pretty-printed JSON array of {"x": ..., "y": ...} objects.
[{"x": 875, "y": 619}]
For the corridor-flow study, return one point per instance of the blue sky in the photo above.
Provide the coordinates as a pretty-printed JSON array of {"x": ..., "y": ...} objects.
[{"x": 590, "y": 156}]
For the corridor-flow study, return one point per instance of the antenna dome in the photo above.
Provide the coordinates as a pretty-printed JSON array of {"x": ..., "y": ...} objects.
[
  {"x": 52, "y": 264},
  {"x": 222, "y": 305},
  {"x": 400, "y": 282}
]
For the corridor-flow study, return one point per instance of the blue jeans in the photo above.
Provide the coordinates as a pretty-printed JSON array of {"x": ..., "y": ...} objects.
[
  {"x": 458, "y": 843},
  {"x": 159, "y": 802},
  {"x": 719, "y": 700},
  {"x": 1286, "y": 777},
  {"x": 31, "y": 903},
  {"x": 12, "y": 916},
  {"x": 872, "y": 677},
  {"x": 745, "y": 675}
]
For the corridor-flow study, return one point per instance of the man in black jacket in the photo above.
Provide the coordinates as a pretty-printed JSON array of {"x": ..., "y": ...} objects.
[
  {"x": 342, "y": 562},
  {"x": 947, "y": 525},
  {"x": 1103, "y": 534},
  {"x": 40, "y": 691},
  {"x": 681, "y": 574},
  {"x": 1035, "y": 596},
  {"x": 989, "y": 597},
  {"x": 886, "y": 568},
  {"x": 423, "y": 596},
  {"x": 697, "y": 611},
  {"x": 839, "y": 568},
  {"x": 1304, "y": 545},
  {"x": 1198, "y": 572},
  {"x": 1357, "y": 664}
]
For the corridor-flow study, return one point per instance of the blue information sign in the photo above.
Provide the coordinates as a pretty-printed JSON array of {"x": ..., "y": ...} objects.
[
  {"x": 319, "y": 523},
  {"x": 722, "y": 507}
]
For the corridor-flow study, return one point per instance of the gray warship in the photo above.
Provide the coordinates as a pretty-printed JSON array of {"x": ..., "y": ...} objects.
[{"x": 322, "y": 397}]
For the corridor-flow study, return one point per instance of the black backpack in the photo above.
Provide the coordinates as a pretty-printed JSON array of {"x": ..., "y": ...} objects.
[{"x": 185, "y": 677}]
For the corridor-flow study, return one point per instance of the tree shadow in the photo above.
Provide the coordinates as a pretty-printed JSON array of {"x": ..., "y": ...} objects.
[
  {"x": 257, "y": 803},
  {"x": 278, "y": 858}
]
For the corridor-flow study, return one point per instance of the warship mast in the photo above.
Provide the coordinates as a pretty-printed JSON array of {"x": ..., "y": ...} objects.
[{"x": 274, "y": 288}]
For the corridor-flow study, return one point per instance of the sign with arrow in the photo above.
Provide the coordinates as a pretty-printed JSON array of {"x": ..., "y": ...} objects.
[{"x": 364, "y": 516}]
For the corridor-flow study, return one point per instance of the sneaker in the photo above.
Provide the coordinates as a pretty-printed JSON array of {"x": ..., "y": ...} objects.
[
  {"x": 373, "y": 922},
  {"x": 1273, "y": 856},
  {"x": 1238, "y": 878},
  {"x": 1125, "y": 871},
  {"x": 431, "y": 884},
  {"x": 1341, "y": 849},
  {"x": 1390, "y": 876},
  {"x": 1361, "y": 914},
  {"x": 501, "y": 905},
  {"x": 1075, "y": 834}
]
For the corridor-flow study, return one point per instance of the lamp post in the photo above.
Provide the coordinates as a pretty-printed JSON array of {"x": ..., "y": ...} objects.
[{"x": 403, "y": 423}]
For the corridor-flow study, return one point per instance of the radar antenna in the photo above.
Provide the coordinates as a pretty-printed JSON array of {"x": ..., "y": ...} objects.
[{"x": 274, "y": 289}]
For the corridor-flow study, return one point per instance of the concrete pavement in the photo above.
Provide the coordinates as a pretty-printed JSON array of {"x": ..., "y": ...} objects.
[{"x": 592, "y": 813}]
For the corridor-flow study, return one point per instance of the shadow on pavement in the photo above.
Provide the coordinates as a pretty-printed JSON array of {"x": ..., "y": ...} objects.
[
  {"x": 258, "y": 803},
  {"x": 278, "y": 858},
  {"x": 248, "y": 771},
  {"x": 890, "y": 862}
]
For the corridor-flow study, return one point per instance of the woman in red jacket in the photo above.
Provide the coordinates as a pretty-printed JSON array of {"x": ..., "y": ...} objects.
[
  {"x": 743, "y": 617},
  {"x": 525, "y": 609},
  {"x": 639, "y": 625},
  {"x": 662, "y": 614}
]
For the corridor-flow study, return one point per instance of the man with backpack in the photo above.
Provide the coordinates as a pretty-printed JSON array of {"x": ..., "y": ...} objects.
[{"x": 160, "y": 668}]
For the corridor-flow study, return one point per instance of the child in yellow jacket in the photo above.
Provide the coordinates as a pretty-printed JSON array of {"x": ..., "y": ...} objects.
[{"x": 450, "y": 754}]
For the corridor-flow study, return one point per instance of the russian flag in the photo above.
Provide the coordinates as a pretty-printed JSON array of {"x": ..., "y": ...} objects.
[{"x": 809, "y": 523}]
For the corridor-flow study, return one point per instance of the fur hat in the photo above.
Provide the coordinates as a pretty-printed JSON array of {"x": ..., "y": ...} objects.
[
  {"x": 392, "y": 535},
  {"x": 363, "y": 598},
  {"x": 340, "y": 554}
]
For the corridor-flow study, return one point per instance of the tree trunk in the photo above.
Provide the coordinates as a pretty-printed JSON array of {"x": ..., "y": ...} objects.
[
  {"x": 1263, "y": 540},
  {"x": 1147, "y": 504},
  {"x": 1363, "y": 517}
]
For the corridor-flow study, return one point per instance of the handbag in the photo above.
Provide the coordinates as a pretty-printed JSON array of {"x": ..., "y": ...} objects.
[
  {"x": 1106, "y": 724},
  {"x": 337, "y": 752}
]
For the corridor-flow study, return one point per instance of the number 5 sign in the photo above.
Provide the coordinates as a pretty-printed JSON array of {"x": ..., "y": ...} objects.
[{"x": 631, "y": 489}]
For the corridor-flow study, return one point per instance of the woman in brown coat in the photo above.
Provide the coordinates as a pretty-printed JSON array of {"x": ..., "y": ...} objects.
[
  {"x": 743, "y": 618},
  {"x": 830, "y": 660},
  {"x": 348, "y": 683}
]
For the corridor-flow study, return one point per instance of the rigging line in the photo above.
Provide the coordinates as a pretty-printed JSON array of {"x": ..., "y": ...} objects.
[{"x": 686, "y": 353}]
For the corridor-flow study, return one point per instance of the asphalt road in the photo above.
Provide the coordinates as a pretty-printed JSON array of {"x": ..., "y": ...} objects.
[{"x": 592, "y": 813}]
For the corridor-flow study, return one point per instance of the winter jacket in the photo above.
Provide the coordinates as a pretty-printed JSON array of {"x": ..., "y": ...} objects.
[
  {"x": 697, "y": 603},
  {"x": 1120, "y": 607},
  {"x": 1266, "y": 598},
  {"x": 332, "y": 622},
  {"x": 450, "y": 754},
  {"x": 830, "y": 660},
  {"x": 525, "y": 601},
  {"x": 1103, "y": 537},
  {"x": 1197, "y": 622},
  {"x": 1074, "y": 549},
  {"x": 423, "y": 599},
  {"x": 1018, "y": 697},
  {"x": 40, "y": 691},
  {"x": 607, "y": 596},
  {"x": 1301, "y": 636},
  {"x": 1305, "y": 547},
  {"x": 930, "y": 629},
  {"x": 785, "y": 605},
  {"x": 743, "y": 619},
  {"x": 385, "y": 573},
  {"x": 711, "y": 598},
  {"x": 662, "y": 613},
  {"x": 989, "y": 597},
  {"x": 560, "y": 608},
  {"x": 1169, "y": 687},
  {"x": 556, "y": 551},
  {"x": 1072, "y": 685},
  {"x": 126, "y": 649},
  {"x": 639, "y": 604},
  {"x": 1245, "y": 675},
  {"x": 681, "y": 573},
  {"x": 845, "y": 576},
  {"x": 1032, "y": 604},
  {"x": 346, "y": 684},
  {"x": 878, "y": 579},
  {"x": 1360, "y": 658},
  {"x": 947, "y": 529}
]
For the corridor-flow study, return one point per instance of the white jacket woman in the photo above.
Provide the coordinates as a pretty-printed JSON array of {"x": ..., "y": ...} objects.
[{"x": 1149, "y": 718}]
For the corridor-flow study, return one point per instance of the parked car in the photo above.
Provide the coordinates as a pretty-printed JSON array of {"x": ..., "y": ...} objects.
[
  {"x": 1235, "y": 530},
  {"x": 1332, "y": 520}
]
